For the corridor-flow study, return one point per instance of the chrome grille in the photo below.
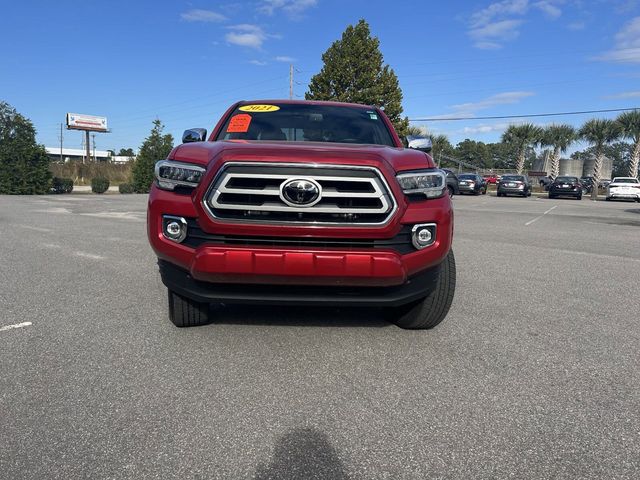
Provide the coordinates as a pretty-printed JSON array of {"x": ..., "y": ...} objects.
[{"x": 253, "y": 192}]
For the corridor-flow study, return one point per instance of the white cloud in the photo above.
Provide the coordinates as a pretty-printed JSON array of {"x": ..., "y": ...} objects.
[
  {"x": 198, "y": 15},
  {"x": 490, "y": 27},
  {"x": 485, "y": 128},
  {"x": 489, "y": 34},
  {"x": 293, "y": 8},
  {"x": 505, "y": 98},
  {"x": 285, "y": 59},
  {"x": 623, "y": 95},
  {"x": 627, "y": 46},
  {"x": 259, "y": 63},
  {"x": 246, "y": 35},
  {"x": 497, "y": 10},
  {"x": 551, "y": 10}
]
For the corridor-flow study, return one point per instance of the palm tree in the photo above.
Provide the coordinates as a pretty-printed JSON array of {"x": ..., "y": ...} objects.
[
  {"x": 441, "y": 146},
  {"x": 521, "y": 137},
  {"x": 599, "y": 132},
  {"x": 559, "y": 137},
  {"x": 630, "y": 126}
]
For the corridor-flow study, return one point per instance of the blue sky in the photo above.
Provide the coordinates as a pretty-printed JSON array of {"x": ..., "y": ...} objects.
[{"x": 186, "y": 61}]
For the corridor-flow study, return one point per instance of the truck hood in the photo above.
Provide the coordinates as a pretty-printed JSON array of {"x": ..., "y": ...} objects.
[{"x": 207, "y": 153}]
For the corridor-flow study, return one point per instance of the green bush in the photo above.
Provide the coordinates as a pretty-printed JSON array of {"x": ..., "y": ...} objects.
[
  {"x": 125, "y": 188},
  {"x": 61, "y": 185},
  {"x": 99, "y": 185}
]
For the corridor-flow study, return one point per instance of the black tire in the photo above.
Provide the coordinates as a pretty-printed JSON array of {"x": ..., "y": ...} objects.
[
  {"x": 579, "y": 197},
  {"x": 552, "y": 196},
  {"x": 184, "y": 312},
  {"x": 431, "y": 310},
  {"x": 529, "y": 193},
  {"x": 498, "y": 194},
  {"x": 607, "y": 199},
  {"x": 484, "y": 192},
  {"x": 451, "y": 192}
]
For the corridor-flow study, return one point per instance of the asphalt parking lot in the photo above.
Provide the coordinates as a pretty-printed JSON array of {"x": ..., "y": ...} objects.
[{"x": 534, "y": 374}]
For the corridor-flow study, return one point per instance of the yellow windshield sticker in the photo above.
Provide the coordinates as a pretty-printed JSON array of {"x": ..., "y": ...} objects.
[{"x": 259, "y": 108}]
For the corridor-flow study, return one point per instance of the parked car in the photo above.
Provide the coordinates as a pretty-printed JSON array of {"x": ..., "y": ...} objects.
[
  {"x": 491, "y": 179},
  {"x": 472, "y": 183},
  {"x": 514, "y": 185},
  {"x": 624, "y": 187},
  {"x": 452, "y": 182},
  {"x": 604, "y": 182},
  {"x": 303, "y": 203},
  {"x": 545, "y": 182},
  {"x": 566, "y": 187},
  {"x": 587, "y": 184}
]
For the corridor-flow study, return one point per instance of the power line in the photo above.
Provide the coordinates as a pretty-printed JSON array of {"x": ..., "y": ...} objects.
[{"x": 529, "y": 115}]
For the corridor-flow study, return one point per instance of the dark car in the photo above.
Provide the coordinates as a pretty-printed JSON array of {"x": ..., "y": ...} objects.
[
  {"x": 545, "y": 182},
  {"x": 514, "y": 185},
  {"x": 566, "y": 187},
  {"x": 587, "y": 184},
  {"x": 452, "y": 182},
  {"x": 472, "y": 183}
]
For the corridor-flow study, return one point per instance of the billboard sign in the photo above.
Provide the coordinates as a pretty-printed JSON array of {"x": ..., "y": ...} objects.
[{"x": 77, "y": 121}]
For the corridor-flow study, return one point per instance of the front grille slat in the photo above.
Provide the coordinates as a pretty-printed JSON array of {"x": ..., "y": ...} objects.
[{"x": 252, "y": 192}]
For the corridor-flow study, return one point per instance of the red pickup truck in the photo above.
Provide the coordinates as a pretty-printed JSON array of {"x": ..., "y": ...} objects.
[{"x": 303, "y": 203}]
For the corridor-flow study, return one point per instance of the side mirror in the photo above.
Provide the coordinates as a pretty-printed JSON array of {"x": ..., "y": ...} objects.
[
  {"x": 194, "y": 135},
  {"x": 419, "y": 143}
]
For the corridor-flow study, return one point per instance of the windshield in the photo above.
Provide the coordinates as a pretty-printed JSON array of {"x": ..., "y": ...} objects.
[
  {"x": 625, "y": 180},
  {"x": 566, "y": 180},
  {"x": 513, "y": 178},
  {"x": 467, "y": 176},
  {"x": 306, "y": 123}
]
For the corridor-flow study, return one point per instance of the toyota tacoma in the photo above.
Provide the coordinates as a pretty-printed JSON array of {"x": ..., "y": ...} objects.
[{"x": 303, "y": 203}]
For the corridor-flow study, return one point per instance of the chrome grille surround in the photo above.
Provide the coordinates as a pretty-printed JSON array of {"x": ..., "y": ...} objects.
[{"x": 265, "y": 205}]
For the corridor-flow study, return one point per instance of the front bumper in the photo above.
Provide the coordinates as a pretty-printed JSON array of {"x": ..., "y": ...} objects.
[
  {"x": 561, "y": 192},
  {"x": 343, "y": 261},
  {"x": 183, "y": 283},
  {"x": 512, "y": 190}
]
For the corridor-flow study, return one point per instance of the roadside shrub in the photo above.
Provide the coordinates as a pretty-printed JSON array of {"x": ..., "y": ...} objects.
[
  {"x": 99, "y": 185},
  {"x": 61, "y": 185},
  {"x": 125, "y": 188}
]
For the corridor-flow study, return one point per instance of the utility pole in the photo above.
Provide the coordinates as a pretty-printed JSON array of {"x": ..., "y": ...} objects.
[
  {"x": 94, "y": 146},
  {"x": 291, "y": 81},
  {"x": 60, "y": 143},
  {"x": 87, "y": 143}
]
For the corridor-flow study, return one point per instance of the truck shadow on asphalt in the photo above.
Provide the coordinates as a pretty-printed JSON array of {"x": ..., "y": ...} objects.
[
  {"x": 303, "y": 453},
  {"x": 296, "y": 316}
]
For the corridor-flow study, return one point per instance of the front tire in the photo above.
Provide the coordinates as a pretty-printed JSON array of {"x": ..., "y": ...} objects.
[
  {"x": 451, "y": 192},
  {"x": 432, "y": 309},
  {"x": 184, "y": 312}
]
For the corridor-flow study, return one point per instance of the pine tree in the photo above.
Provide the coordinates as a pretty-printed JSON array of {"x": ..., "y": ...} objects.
[
  {"x": 353, "y": 71},
  {"x": 24, "y": 165},
  {"x": 155, "y": 147}
]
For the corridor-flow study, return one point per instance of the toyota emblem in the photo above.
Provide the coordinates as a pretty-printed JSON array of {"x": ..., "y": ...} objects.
[{"x": 300, "y": 192}]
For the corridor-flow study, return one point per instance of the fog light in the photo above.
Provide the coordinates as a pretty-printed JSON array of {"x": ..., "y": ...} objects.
[
  {"x": 174, "y": 228},
  {"x": 423, "y": 235}
]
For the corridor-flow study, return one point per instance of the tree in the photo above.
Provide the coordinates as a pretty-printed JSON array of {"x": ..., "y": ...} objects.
[
  {"x": 599, "y": 133},
  {"x": 155, "y": 147},
  {"x": 353, "y": 71},
  {"x": 441, "y": 147},
  {"x": 24, "y": 165},
  {"x": 559, "y": 137},
  {"x": 521, "y": 137},
  {"x": 476, "y": 153},
  {"x": 126, "y": 152},
  {"x": 630, "y": 128}
]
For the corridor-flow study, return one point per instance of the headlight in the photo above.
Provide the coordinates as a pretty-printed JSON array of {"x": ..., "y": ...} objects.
[
  {"x": 171, "y": 174},
  {"x": 430, "y": 183}
]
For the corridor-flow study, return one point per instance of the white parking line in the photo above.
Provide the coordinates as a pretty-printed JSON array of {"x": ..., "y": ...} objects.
[
  {"x": 89, "y": 255},
  {"x": 17, "y": 325},
  {"x": 538, "y": 218}
]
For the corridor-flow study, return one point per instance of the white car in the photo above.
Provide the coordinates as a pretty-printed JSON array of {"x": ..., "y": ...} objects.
[{"x": 624, "y": 187}]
